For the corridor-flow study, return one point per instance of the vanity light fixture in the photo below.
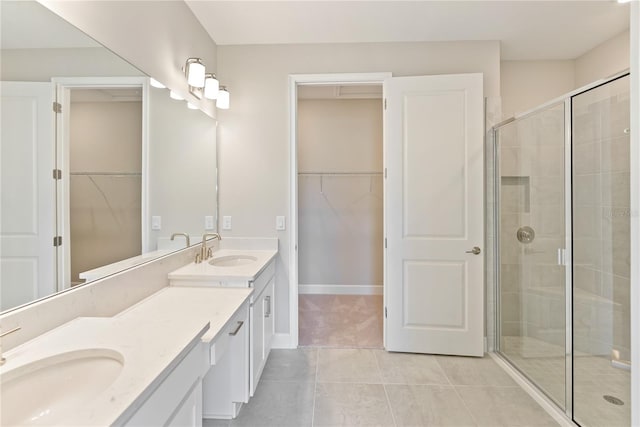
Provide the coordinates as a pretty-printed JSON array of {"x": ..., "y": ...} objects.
[
  {"x": 191, "y": 106},
  {"x": 223, "y": 98},
  {"x": 176, "y": 96},
  {"x": 153, "y": 82},
  {"x": 624, "y": 1},
  {"x": 211, "y": 86},
  {"x": 194, "y": 70}
]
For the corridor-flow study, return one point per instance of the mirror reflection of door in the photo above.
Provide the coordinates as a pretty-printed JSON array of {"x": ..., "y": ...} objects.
[{"x": 105, "y": 173}]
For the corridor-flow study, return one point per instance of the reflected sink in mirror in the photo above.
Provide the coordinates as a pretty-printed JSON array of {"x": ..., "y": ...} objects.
[
  {"x": 46, "y": 391},
  {"x": 232, "y": 260}
]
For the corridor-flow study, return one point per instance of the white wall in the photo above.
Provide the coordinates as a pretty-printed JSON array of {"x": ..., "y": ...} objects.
[
  {"x": 254, "y": 135},
  {"x": 340, "y": 216},
  {"x": 635, "y": 212},
  {"x": 606, "y": 59},
  {"x": 160, "y": 47}
]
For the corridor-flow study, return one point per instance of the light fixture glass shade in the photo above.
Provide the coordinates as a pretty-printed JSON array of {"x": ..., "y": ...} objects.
[
  {"x": 153, "y": 82},
  {"x": 195, "y": 72},
  {"x": 176, "y": 96},
  {"x": 223, "y": 98},
  {"x": 211, "y": 86},
  {"x": 191, "y": 106}
]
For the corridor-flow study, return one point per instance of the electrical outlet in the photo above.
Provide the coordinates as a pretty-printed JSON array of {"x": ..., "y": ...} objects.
[
  {"x": 280, "y": 224},
  {"x": 208, "y": 222},
  {"x": 226, "y": 223},
  {"x": 156, "y": 222}
]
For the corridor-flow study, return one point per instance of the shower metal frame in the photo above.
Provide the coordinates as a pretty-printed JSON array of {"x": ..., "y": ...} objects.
[{"x": 566, "y": 100}]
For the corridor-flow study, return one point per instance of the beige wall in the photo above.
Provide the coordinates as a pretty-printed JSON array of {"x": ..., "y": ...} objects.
[
  {"x": 340, "y": 216},
  {"x": 182, "y": 166},
  {"x": 105, "y": 137},
  {"x": 254, "y": 133},
  {"x": 528, "y": 84},
  {"x": 608, "y": 58},
  {"x": 172, "y": 35}
]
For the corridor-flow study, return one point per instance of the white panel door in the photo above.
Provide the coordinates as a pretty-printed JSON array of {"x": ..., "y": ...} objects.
[
  {"x": 434, "y": 292},
  {"x": 27, "y": 224}
]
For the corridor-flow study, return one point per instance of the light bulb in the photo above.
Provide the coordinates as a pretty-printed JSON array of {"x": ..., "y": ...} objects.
[
  {"x": 211, "y": 86},
  {"x": 195, "y": 72},
  {"x": 176, "y": 96},
  {"x": 223, "y": 99},
  {"x": 153, "y": 82}
]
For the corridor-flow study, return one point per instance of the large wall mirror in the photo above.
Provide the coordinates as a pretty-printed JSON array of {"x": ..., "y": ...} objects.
[{"x": 101, "y": 184}]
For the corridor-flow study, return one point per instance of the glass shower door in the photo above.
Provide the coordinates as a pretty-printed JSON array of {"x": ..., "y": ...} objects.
[
  {"x": 531, "y": 229},
  {"x": 601, "y": 248}
]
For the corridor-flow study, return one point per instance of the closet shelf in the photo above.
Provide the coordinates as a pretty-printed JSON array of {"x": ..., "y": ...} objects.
[
  {"x": 340, "y": 173},
  {"x": 105, "y": 173}
]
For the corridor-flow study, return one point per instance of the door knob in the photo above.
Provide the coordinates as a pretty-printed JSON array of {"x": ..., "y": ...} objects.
[{"x": 475, "y": 251}]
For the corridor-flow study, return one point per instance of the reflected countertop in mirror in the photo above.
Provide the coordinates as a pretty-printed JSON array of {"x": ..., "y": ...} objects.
[{"x": 130, "y": 165}]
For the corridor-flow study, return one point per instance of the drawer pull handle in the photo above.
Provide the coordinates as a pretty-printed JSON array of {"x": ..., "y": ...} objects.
[
  {"x": 234, "y": 333},
  {"x": 267, "y": 299}
]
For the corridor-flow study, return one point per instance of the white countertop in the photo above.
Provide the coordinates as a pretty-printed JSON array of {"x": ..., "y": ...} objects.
[
  {"x": 206, "y": 271},
  {"x": 152, "y": 336}
]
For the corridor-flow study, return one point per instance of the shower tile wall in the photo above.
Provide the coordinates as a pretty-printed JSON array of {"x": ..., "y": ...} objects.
[{"x": 601, "y": 205}]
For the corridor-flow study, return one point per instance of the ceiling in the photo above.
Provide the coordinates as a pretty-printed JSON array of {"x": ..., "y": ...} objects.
[{"x": 527, "y": 30}]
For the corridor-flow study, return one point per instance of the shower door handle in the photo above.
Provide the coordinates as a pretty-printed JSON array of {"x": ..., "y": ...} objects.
[{"x": 475, "y": 251}]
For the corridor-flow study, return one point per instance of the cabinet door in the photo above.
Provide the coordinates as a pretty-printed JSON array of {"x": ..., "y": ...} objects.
[
  {"x": 269, "y": 316},
  {"x": 257, "y": 341},
  {"x": 189, "y": 414}
]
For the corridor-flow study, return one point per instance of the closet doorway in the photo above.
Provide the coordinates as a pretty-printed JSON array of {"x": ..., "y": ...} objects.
[{"x": 340, "y": 225}]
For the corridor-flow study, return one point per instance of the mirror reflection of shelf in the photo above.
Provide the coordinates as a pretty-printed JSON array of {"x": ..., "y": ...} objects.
[{"x": 116, "y": 174}]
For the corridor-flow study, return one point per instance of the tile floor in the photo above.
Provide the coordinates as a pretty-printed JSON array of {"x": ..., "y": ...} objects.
[
  {"x": 340, "y": 321},
  {"x": 367, "y": 387},
  {"x": 594, "y": 377}
]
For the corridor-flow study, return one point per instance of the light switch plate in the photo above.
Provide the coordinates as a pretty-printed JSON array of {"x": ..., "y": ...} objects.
[
  {"x": 280, "y": 224},
  {"x": 226, "y": 222},
  {"x": 156, "y": 222},
  {"x": 208, "y": 222}
]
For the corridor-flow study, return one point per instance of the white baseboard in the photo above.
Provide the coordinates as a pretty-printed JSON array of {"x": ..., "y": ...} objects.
[
  {"x": 340, "y": 289},
  {"x": 282, "y": 341}
]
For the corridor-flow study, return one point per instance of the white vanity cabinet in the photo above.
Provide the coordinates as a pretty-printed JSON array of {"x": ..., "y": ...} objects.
[
  {"x": 262, "y": 324},
  {"x": 177, "y": 400},
  {"x": 226, "y": 385}
]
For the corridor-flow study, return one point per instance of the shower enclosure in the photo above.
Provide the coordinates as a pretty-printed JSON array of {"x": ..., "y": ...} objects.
[{"x": 562, "y": 211}]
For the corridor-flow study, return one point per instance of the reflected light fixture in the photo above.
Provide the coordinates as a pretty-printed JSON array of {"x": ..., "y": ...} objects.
[
  {"x": 153, "y": 82},
  {"x": 624, "y": 1},
  {"x": 176, "y": 96},
  {"x": 194, "y": 70},
  {"x": 223, "y": 98},
  {"x": 211, "y": 86},
  {"x": 191, "y": 106}
]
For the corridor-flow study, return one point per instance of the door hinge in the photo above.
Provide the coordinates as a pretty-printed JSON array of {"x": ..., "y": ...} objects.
[
  {"x": 57, "y": 174},
  {"x": 385, "y": 312},
  {"x": 385, "y": 173},
  {"x": 385, "y": 103},
  {"x": 385, "y": 243},
  {"x": 57, "y": 241},
  {"x": 57, "y": 107}
]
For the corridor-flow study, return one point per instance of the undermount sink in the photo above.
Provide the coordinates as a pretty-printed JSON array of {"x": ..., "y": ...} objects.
[
  {"x": 232, "y": 260},
  {"x": 47, "y": 391}
]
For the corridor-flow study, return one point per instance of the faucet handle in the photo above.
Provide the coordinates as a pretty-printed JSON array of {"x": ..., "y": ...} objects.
[{"x": 198, "y": 258}]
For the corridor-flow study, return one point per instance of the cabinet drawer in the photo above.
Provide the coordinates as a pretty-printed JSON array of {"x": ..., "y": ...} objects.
[
  {"x": 263, "y": 278},
  {"x": 219, "y": 346}
]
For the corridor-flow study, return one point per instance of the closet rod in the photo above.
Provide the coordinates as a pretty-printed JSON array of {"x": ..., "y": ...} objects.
[
  {"x": 340, "y": 173},
  {"x": 106, "y": 173}
]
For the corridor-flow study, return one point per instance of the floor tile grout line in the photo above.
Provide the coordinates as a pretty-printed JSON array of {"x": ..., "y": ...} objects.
[
  {"x": 386, "y": 395},
  {"x": 315, "y": 388}
]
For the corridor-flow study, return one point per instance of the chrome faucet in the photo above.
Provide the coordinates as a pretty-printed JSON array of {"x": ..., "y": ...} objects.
[
  {"x": 204, "y": 253},
  {"x": 186, "y": 236},
  {"x": 2, "y": 359}
]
